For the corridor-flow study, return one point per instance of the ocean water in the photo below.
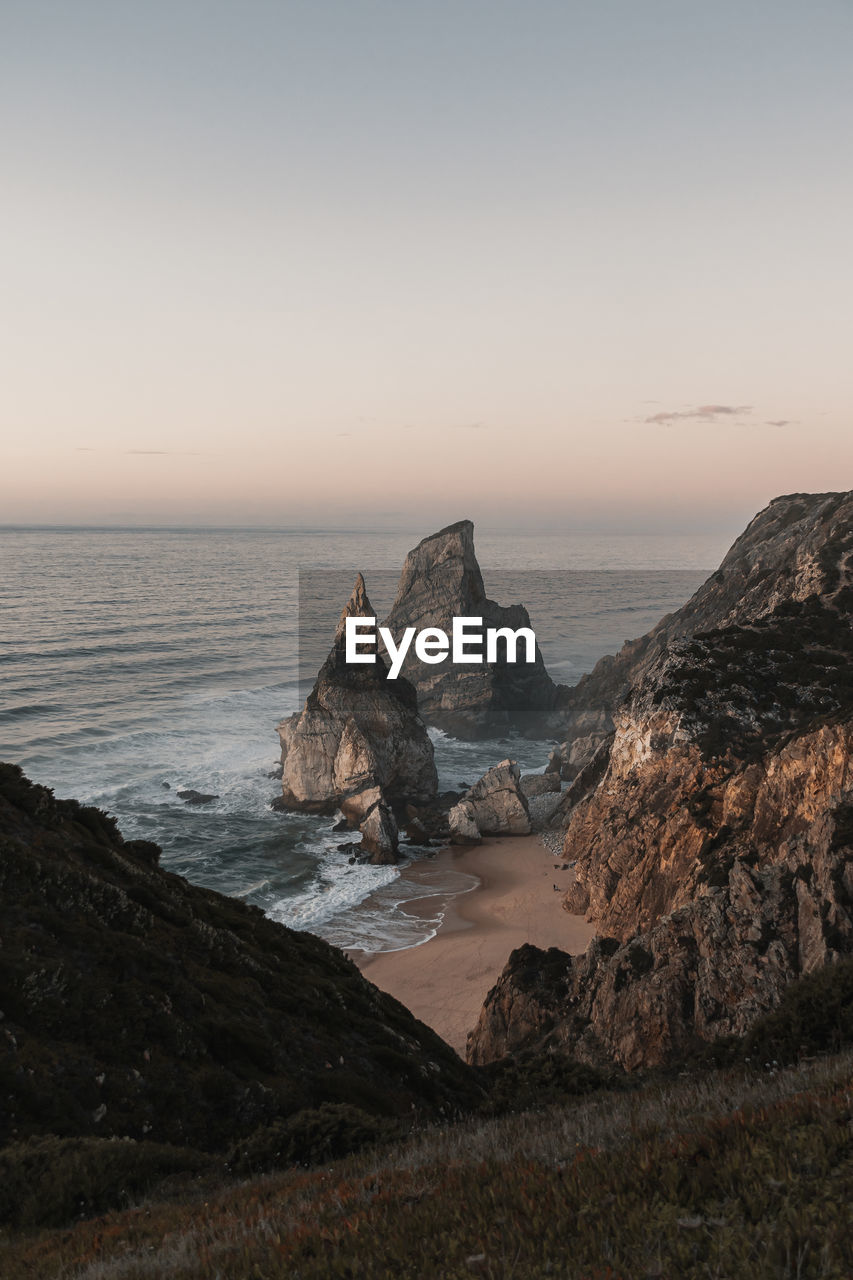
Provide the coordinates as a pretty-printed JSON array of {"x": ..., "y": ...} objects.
[{"x": 137, "y": 662}]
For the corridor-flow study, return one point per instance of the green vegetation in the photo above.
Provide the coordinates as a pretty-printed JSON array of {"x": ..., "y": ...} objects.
[
  {"x": 728, "y": 1174},
  {"x": 732, "y": 1166},
  {"x": 310, "y": 1137},
  {"x": 815, "y": 1015},
  {"x": 136, "y": 1006},
  {"x": 749, "y": 686},
  {"x": 53, "y": 1181}
]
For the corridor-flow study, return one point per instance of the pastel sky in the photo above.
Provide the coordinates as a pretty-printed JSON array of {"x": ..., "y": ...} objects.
[{"x": 312, "y": 262}]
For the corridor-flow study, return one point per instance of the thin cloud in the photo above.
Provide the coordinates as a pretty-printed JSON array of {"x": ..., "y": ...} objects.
[
  {"x": 469, "y": 426},
  {"x": 779, "y": 422},
  {"x": 702, "y": 413},
  {"x": 161, "y": 453}
]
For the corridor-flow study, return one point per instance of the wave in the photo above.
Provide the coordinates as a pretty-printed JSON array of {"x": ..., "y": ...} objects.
[{"x": 336, "y": 889}]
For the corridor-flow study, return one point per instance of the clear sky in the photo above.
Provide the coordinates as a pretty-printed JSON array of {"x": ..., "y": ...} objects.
[{"x": 388, "y": 262}]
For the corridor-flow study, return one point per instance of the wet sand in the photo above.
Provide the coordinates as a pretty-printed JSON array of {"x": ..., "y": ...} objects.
[{"x": 445, "y": 980}]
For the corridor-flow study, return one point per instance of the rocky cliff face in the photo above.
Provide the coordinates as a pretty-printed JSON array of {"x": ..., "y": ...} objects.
[
  {"x": 358, "y": 739},
  {"x": 712, "y": 832},
  {"x": 723, "y": 742},
  {"x": 441, "y": 579},
  {"x": 135, "y": 1004},
  {"x": 720, "y": 897},
  {"x": 798, "y": 546}
]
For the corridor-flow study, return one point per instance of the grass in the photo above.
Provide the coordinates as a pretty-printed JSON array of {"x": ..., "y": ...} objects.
[{"x": 738, "y": 1173}]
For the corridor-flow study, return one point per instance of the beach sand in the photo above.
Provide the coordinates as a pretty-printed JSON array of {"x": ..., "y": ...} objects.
[{"x": 444, "y": 981}]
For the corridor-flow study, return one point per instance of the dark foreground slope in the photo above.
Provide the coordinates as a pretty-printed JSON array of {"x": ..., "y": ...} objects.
[
  {"x": 137, "y": 1005},
  {"x": 743, "y": 1171}
]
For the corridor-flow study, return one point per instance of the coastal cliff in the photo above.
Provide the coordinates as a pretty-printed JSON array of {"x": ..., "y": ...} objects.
[
  {"x": 441, "y": 579},
  {"x": 711, "y": 834},
  {"x": 798, "y": 546}
]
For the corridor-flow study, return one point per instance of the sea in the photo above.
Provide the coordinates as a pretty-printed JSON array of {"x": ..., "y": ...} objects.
[{"x": 137, "y": 662}]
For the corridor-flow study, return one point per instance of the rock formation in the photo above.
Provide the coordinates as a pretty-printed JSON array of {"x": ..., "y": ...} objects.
[
  {"x": 441, "y": 579},
  {"x": 799, "y": 545},
  {"x": 358, "y": 744},
  {"x": 540, "y": 784},
  {"x": 736, "y": 900},
  {"x": 495, "y": 805},
  {"x": 712, "y": 832}
]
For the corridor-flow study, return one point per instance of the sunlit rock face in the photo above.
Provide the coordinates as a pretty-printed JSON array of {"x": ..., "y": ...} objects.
[
  {"x": 710, "y": 900},
  {"x": 711, "y": 834}
]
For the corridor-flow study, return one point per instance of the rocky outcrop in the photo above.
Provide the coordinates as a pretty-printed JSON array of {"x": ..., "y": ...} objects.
[
  {"x": 441, "y": 579},
  {"x": 137, "y": 1005},
  {"x": 196, "y": 797},
  {"x": 799, "y": 546},
  {"x": 379, "y": 833},
  {"x": 358, "y": 743},
  {"x": 732, "y": 744},
  {"x": 494, "y": 806},
  {"x": 463, "y": 824},
  {"x": 706, "y": 970},
  {"x": 748, "y": 910},
  {"x": 711, "y": 838}
]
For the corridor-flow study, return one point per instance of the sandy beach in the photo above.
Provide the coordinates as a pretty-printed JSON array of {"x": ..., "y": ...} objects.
[{"x": 445, "y": 980}]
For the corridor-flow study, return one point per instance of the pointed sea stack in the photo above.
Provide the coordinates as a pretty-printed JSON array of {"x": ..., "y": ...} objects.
[
  {"x": 441, "y": 579},
  {"x": 358, "y": 743}
]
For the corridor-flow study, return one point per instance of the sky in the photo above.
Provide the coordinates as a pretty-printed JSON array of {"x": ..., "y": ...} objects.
[{"x": 371, "y": 263}]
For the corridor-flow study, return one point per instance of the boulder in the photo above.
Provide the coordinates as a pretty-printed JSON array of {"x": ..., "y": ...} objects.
[
  {"x": 379, "y": 834},
  {"x": 496, "y": 803},
  {"x": 441, "y": 579},
  {"x": 463, "y": 824},
  {"x": 356, "y": 808},
  {"x": 195, "y": 797},
  {"x": 357, "y": 731},
  {"x": 540, "y": 784}
]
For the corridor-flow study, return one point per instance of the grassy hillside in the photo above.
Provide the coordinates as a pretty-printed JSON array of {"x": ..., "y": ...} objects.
[
  {"x": 736, "y": 1173},
  {"x": 134, "y": 1005}
]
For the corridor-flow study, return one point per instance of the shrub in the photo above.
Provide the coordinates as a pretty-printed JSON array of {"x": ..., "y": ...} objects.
[
  {"x": 50, "y": 1181},
  {"x": 815, "y": 1015},
  {"x": 533, "y": 1080},
  {"x": 311, "y": 1136}
]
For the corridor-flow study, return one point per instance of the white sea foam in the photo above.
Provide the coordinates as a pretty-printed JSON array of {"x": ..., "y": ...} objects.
[{"x": 336, "y": 889}]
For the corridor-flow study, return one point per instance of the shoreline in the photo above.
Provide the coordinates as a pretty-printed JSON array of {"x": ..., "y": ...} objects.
[{"x": 445, "y": 979}]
